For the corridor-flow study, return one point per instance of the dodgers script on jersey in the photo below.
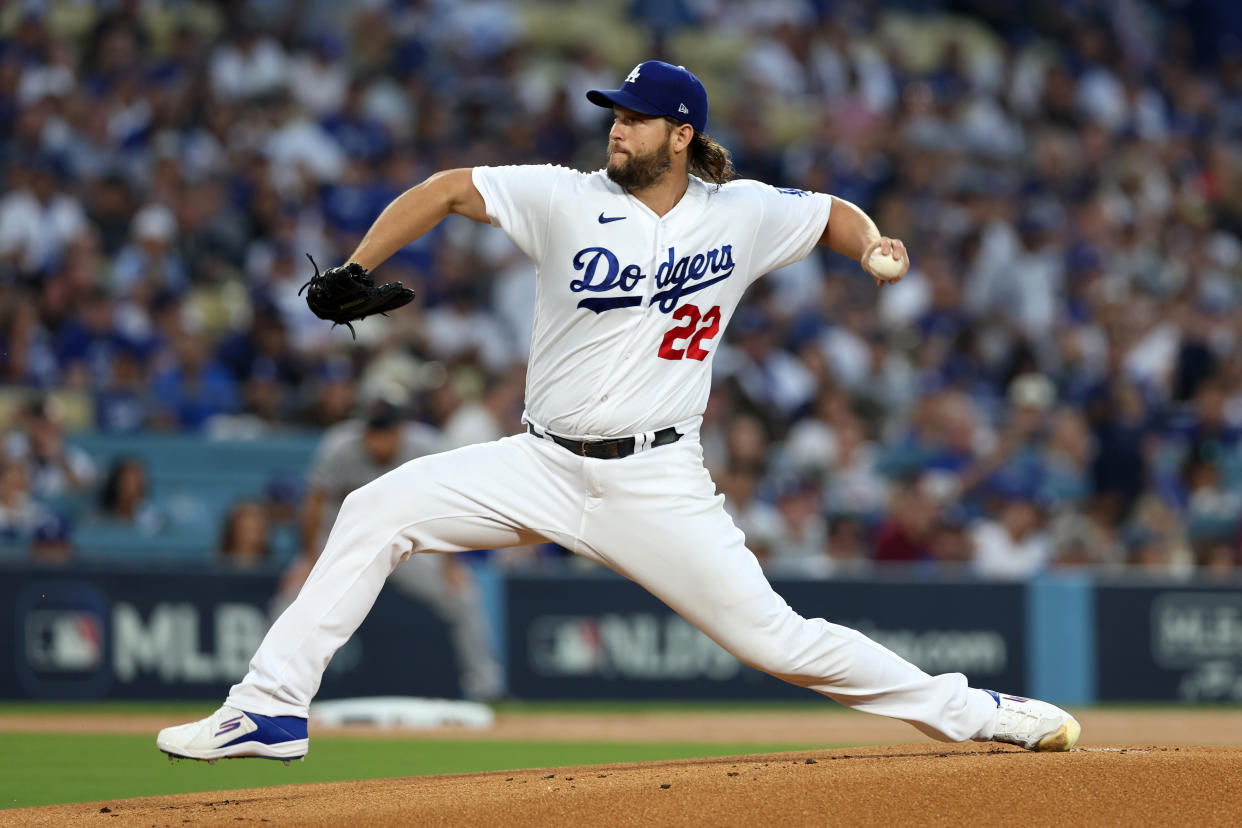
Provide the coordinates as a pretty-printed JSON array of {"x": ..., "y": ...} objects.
[{"x": 630, "y": 306}]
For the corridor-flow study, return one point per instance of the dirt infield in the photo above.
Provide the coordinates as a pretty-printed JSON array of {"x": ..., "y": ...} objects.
[
  {"x": 1167, "y": 775},
  {"x": 958, "y": 785}
]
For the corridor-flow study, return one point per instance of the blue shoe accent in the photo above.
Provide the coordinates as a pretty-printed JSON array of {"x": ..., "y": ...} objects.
[
  {"x": 273, "y": 730},
  {"x": 997, "y": 696},
  {"x": 221, "y": 736}
]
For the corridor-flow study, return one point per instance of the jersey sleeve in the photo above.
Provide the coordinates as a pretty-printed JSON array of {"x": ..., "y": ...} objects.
[
  {"x": 519, "y": 201},
  {"x": 790, "y": 224}
]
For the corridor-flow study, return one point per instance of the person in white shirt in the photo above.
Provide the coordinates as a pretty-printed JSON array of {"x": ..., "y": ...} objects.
[
  {"x": 639, "y": 267},
  {"x": 1012, "y": 545}
]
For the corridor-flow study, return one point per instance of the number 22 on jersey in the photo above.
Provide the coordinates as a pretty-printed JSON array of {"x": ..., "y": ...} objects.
[{"x": 691, "y": 332}]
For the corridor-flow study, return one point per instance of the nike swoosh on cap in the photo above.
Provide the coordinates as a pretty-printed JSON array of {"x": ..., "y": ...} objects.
[{"x": 605, "y": 220}]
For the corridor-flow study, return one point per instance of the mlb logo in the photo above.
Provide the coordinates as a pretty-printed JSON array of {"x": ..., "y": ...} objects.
[
  {"x": 566, "y": 646},
  {"x": 64, "y": 641}
]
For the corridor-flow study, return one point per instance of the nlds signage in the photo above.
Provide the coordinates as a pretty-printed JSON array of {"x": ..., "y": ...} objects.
[
  {"x": 601, "y": 637},
  {"x": 662, "y": 647},
  {"x": 642, "y": 646}
]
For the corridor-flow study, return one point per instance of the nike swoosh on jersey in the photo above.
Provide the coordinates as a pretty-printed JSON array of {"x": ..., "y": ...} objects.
[{"x": 605, "y": 220}]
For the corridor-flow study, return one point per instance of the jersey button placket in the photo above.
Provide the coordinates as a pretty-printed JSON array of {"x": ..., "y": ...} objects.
[
  {"x": 651, "y": 286},
  {"x": 635, "y": 330}
]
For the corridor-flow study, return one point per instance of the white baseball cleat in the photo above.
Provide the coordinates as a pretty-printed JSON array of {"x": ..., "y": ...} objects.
[
  {"x": 232, "y": 733},
  {"x": 1033, "y": 724}
]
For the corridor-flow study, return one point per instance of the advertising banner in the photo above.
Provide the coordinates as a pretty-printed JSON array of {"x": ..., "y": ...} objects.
[
  {"x": 1179, "y": 643},
  {"x": 152, "y": 635},
  {"x": 605, "y": 637}
]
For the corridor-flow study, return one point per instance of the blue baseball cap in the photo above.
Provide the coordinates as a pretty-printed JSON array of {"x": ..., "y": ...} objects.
[{"x": 659, "y": 88}]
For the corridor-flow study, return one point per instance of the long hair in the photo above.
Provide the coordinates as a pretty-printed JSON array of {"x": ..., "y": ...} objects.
[
  {"x": 707, "y": 159},
  {"x": 110, "y": 494}
]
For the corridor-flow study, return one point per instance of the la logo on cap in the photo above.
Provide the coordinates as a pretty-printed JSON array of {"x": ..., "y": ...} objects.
[{"x": 653, "y": 88}]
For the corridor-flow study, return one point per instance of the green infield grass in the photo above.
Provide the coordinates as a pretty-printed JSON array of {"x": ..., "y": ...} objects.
[{"x": 55, "y": 768}]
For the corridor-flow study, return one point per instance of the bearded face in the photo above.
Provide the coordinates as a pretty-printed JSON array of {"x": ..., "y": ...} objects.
[{"x": 634, "y": 171}]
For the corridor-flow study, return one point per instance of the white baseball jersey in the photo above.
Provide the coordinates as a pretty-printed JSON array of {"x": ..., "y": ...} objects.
[
  {"x": 630, "y": 305},
  {"x": 629, "y": 310}
]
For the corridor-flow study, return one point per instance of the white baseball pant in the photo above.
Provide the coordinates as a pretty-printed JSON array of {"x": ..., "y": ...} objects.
[{"x": 654, "y": 517}]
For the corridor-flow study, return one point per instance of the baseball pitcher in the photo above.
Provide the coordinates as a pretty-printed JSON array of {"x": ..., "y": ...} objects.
[{"x": 639, "y": 268}]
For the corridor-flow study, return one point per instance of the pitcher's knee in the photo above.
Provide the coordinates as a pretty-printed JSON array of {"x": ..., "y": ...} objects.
[
  {"x": 796, "y": 650},
  {"x": 360, "y": 526},
  {"x": 796, "y": 668}
]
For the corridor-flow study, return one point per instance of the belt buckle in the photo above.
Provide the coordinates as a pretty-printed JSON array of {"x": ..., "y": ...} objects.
[{"x": 602, "y": 449}]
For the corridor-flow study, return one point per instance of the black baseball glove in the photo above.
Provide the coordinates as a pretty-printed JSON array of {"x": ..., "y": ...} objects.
[{"x": 348, "y": 293}]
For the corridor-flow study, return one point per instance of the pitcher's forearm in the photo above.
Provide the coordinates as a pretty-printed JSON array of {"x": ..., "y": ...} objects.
[
  {"x": 415, "y": 212},
  {"x": 850, "y": 231}
]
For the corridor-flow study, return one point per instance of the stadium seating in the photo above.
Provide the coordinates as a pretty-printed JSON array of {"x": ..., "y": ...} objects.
[{"x": 193, "y": 483}]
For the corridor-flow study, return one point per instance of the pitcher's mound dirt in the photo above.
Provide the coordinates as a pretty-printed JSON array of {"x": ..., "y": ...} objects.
[{"x": 958, "y": 785}]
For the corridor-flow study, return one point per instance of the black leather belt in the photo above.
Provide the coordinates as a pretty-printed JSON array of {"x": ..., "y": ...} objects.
[{"x": 607, "y": 449}]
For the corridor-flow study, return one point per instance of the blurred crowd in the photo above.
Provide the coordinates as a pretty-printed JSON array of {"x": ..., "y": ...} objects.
[{"x": 1057, "y": 383}]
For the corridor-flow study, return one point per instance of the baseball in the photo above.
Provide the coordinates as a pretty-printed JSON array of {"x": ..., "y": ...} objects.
[{"x": 884, "y": 267}]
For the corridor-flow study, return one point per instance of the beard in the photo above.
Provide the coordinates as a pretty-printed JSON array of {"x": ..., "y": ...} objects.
[{"x": 639, "y": 172}]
